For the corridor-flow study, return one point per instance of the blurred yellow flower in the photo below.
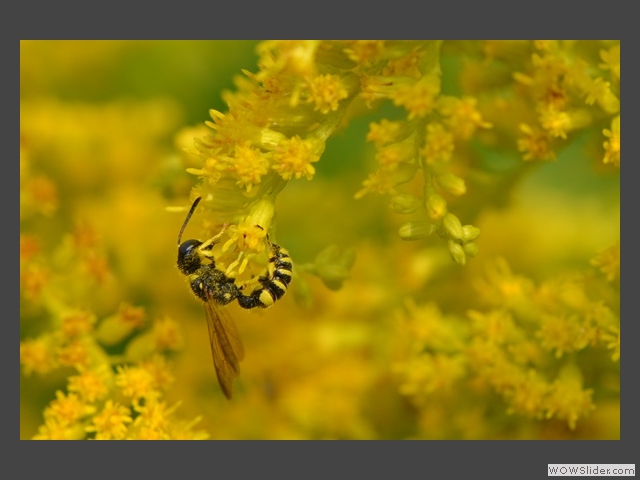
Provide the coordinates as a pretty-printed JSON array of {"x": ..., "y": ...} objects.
[
  {"x": 111, "y": 422},
  {"x": 90, "y": 385},
  {"x": 293, "y": 158},
  {"x": 326, "y": 91},
  {"x": 612, "y": 145}
]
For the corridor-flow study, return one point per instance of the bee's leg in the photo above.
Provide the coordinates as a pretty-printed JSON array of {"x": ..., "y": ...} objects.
[{"x": 215, "y": 239}]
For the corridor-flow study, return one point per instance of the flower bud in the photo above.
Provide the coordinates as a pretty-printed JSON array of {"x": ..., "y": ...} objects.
[
  {"x": 140, "y": 347},
  {"x": 416, "y": 230},
  {"x": 452, "y": 184},
  {"x": 457, "y": 252},
  {"x": 333, "y": 275},
  {"x": 471, "y": 249},
  {"x": 404, "y": 203},
  {"x": 404, "y": 172},
  {"x": 452, "y": 226},
  {"x": 113, "y": 330},
  {"x": 469, "y": 233},
  {"x": 436, "y": 207},
  {"x": 333, "y": 264}
]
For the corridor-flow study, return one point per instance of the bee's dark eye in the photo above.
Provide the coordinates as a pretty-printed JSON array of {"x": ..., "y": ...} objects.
[
  {"x": 188, "y": 257},
  {"x": 187, "y": 246}
]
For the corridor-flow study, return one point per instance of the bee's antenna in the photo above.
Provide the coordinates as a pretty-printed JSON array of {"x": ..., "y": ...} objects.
[{"x": 186, "y": 220}]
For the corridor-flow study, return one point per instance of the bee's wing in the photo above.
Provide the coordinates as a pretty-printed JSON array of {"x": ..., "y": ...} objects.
[{"x": 226, "y": 345}]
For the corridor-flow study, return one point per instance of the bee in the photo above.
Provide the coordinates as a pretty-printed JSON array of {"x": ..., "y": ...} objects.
[{"x": 196, "y": 261}]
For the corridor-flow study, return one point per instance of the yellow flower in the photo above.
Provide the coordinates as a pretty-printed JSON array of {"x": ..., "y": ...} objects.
[
  {"x": 53, "y": 429},
  {"x": 391, "y": 156},
  {"x": 556, "y": 122},
  {"x": 29, "y": 248},
  {"x": 379, "y": 182},
  {"x": 246, "y": 236},
  {"x": 128, "y": 314},
  {"x": 438, "y": 145},
  {"x": 385, "y": 132},
  {"x": 293, "y": 57},
  {"x": 496, "y": 326},
  {"x": 74, "y": 354},
  {"x": 144, "y": 432},
  {"x": 597, "y": 90},
  {"x": 561, "y": 333},
  {"x": 326, "y": 91},
  {"x": 154, "y": 417},
  {"x": 90, "y": 385},
  {"x": 608, "y": 261},
  {"x": 293, "y": 158},
  {"x": 67, "y": 409},
  {"x": 33, "y": 279},
  {"x": 211, "y": 170},
  {"x": 612, "y": 145},
  {"x": 418, "y": 98},
  {"x": 75, "y": 323},
  {"x": 549, "y": 67},
  {"x": 427, "y": 373},
  {"x": 462, "y": 116},
  {"x": 567, "y": 399},
  {"x": 612, "y": 339},
  {"x": 230, "y": 130},
  {"x": 111, "y": 422},
  {"x": 529, "y": 395},
  {"x": 135, "y": 382},
  {"x": 406, "y": 66},
  {"x": 183, "y": 430},
  {"x": 159, "y": 370},
  {"x": 249, "y": 165},
  {"x": 364, "y": 52},
  {"x": 85, "y": 236},
  {"x": 184, "y": 139},
  {"x": 546, "y": 45},
  {"x": 375, "y": 87},
  {"x": 535, "y": 144},
  {"x": 43, "y": 195},
  {"x": 36, "y": 355},
  {"x": 611, "y": 61},
  {"x": 429, "y": 329},
  {"x": 97, "y": 266},
  {"x": 167, "y": 334},
  {"x": 504, "y": 289}
]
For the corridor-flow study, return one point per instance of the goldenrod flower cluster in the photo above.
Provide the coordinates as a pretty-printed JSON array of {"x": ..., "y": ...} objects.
[
  {"x": 107, "y": 395},
  {"x": 451, "y": 209},
  {"x": 104, "y": 361}
]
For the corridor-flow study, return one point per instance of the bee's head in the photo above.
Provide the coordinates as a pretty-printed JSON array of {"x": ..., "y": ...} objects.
[{"x": 189, "y": 259}]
